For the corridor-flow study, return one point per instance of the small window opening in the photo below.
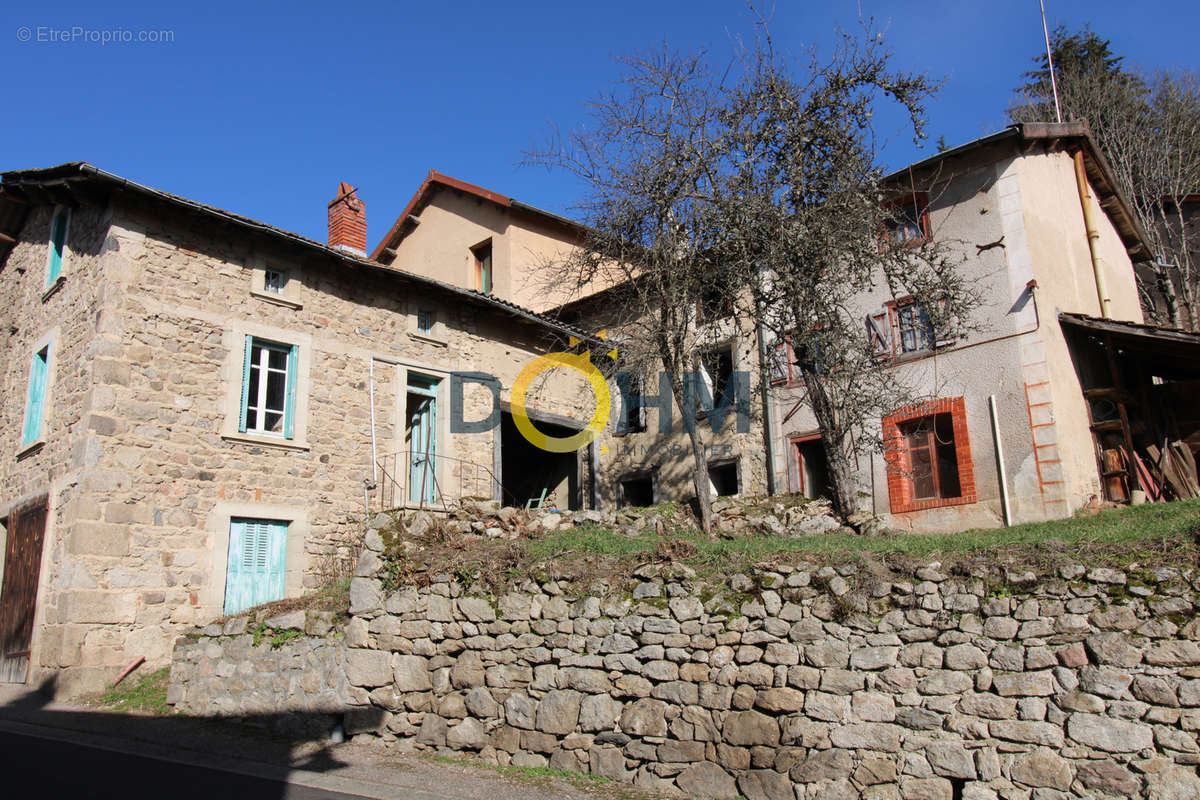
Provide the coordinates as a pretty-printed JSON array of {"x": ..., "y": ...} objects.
[
  {"x": 425, "y": 321},
  {"x": 274, "y": 281},
  {"x": 636, "y": 490},
  {"x": 723, "y": 478}
]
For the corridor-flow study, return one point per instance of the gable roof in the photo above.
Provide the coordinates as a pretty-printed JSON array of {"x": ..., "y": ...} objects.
[
  {"x": 79, "y": 181},
  {"x": 435, "y": 181},
  {"x": 1067, "y": 135}
]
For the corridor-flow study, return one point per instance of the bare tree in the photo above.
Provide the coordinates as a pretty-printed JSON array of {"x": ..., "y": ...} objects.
[
  {"x": 812, "y": 230},
  {"x": 758, "y": 185},
  {"x": 1148, "y": 125},
  {"x": 651, "y": 164}
]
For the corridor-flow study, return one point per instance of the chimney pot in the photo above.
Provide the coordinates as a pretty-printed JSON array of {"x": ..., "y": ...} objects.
[{"x": 348, "y": 221}]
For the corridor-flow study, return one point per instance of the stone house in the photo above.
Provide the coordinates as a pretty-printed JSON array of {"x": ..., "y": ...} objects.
[
  {"x": 196, "y": 406},
  {"x": 1009, "y": 392},
  {"x": 483, "y": 240}
]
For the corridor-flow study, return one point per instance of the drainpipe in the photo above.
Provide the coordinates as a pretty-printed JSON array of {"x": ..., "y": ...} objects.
[
  {"x": 1000, "y": 462},
  {"x": 1089, "y": 224}
]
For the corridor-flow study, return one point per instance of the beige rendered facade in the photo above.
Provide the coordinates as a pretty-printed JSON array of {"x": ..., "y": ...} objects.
[{"x": 1011, "y": 207}]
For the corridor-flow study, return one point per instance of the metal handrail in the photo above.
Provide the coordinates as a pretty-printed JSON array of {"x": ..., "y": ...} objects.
[{"x": 459, "y": 478}]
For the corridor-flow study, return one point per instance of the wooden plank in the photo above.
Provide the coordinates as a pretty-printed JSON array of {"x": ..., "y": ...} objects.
[{"x": 18, "y": 594}]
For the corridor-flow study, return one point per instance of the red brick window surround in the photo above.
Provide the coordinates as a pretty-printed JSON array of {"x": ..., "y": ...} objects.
[{"x": 928, "y": 454}]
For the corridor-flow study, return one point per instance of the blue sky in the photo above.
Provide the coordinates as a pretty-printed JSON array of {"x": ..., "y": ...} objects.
[{"x": 262, "y": 110}]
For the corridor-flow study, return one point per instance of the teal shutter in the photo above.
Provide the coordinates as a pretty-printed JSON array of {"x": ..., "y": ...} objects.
[
  {"x": 58, "y": 241},
  {"x": 245, "y": 383},
  {"x": 255, "y": 572},
  {"x": 289, "y": 403},
  {"x": 35, "y": 403}
]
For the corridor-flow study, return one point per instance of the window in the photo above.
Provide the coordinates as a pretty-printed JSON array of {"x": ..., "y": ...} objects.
[
  {"x": 723, "y": 478},
  {"x": 269, "y": 388},
  {"x": 273, "y": 281},
  {"x": 425, "y": 322},
  {"x": 783, "y": 363},
  {"x": 916, "y": 332},
  {"x": 255, "y": 571},
  {"x": 636, "y": 490},
  {"x": 929, "y": 456},
  {"x": 630, "y": 411},
  {"x": 35, "y": 403},
  {"x": 58, "y": 244},
  {"x": 483, "y": 267},
  {"x": 907, "y": 222},
  {"x": 716, "y": 370}
]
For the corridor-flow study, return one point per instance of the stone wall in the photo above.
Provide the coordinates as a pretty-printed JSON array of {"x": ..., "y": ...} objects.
[
  {"x": 798, "y": 684},
  {"x": 293, "y": 679}
]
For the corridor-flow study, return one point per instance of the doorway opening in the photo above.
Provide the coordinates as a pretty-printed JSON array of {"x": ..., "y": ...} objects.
[
  {"x": 531, "y": 473},
  {"x": 810, "y": 470},
  {"x": 420, "y": 438}
]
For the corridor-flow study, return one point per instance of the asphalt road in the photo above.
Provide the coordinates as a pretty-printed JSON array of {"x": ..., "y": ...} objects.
[{"x": 34, "y": 767}]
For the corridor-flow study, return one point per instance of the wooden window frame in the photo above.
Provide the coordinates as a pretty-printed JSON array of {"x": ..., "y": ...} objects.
[
  {"x": 921, "y": 201},
  {"x": 894, "y": 307},
  {"x": 899, "y": 466},
  {"x": 478, "y": 253}
]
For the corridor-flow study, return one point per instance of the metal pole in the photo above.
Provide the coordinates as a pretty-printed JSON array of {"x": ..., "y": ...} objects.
[
  {"x": 371, "y": 394},
  {"x": 1050, "y": 61}
]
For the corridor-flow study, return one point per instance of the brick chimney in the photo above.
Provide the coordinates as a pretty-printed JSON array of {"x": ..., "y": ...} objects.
[{"x": 348, "y": 221}]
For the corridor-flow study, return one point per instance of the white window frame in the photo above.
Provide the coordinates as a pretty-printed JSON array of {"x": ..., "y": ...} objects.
[{"x": 234, "y": 339}]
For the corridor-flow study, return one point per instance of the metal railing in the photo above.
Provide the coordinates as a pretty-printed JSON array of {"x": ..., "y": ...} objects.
[{"x": 431, "y": 481}]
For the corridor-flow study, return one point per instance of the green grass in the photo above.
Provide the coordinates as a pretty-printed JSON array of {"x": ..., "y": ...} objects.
[
  {"x": 1146, "y": 529},
  {"x": 147, "y": 694}
]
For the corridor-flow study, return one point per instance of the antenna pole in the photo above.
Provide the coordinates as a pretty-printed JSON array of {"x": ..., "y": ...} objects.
[{"x": 1050, "y": 61}]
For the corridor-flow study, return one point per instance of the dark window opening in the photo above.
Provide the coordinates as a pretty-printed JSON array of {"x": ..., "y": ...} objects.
[
  {"x": 636, "y": 490},
  {"x": 932, "y": 457},
  {"x": 723, "y": 478},
  {"x": 717, "y": 371},
  {"x": 425, "y": 322}
]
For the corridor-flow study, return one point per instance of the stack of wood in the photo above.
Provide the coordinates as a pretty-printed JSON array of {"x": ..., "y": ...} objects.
[{"x": 1175, "y": 469}]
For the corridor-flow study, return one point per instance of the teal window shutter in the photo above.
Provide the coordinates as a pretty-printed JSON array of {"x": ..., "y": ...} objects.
[
  {"x": 36, "y": 401},
  {"x": 255, "y": 571},
  {"x": 289, "y": 406},
  {"x": 58, "y": 241},
  {"x": 245, "y": 383}
]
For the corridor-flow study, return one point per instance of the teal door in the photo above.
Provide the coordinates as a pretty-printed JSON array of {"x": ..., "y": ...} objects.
[
  {"x": 422, "y": 425},
  {"x": 256, "y": 560}
]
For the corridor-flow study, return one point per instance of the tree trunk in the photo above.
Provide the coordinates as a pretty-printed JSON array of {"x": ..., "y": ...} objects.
[
  {"x": 700, "y": 479},
  {"x": 839, "y": 463}
]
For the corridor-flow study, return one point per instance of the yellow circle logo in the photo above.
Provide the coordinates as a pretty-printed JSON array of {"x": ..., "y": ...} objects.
[{"x": 582, "y": 364}]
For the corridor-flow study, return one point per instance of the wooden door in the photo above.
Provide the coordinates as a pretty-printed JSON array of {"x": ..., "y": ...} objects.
[{"x": 18, "y": 596}]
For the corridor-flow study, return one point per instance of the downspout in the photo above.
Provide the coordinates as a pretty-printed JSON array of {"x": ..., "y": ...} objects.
[
  {"x": 1000, "y": 461},
  {"x": 1089, "y": 224},
  {"x": 764, "y": 379}
]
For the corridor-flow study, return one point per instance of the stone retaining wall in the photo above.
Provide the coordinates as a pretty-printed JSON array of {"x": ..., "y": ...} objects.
[
  {"x": 293, "y": 679},
  {"x": 790, "y": 684}
]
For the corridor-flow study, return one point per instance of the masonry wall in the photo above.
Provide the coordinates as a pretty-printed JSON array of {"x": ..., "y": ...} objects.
[
  {"x": 143, "y": 458},
  {"x": 284, "y": 672},
  {"x": 64, "y": 316},
  {"x": 791, "y": 683}
]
